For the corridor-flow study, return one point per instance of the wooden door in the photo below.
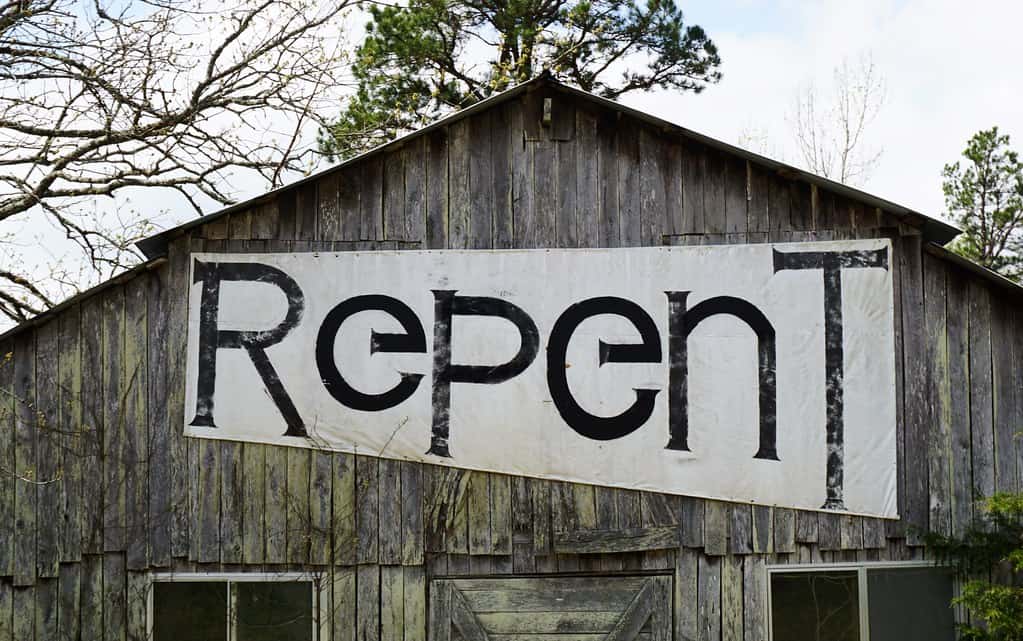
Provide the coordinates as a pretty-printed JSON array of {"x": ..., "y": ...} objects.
[{"x": 592, "y": 608}]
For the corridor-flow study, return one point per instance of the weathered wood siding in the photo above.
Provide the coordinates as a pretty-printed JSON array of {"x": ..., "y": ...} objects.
[{"x": 99, "y": 485}]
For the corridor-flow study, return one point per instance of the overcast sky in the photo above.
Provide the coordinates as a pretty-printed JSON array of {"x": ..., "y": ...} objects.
[{"x": 951, "y": 68}]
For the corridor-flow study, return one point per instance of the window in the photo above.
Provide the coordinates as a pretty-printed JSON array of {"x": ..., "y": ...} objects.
[
  {"x": 869, "y": 602},
  {"x": 239, "y": 607}
]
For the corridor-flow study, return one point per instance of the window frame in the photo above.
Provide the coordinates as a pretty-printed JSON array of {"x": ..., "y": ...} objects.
[
  {"x": 860, "y": 568},
  {"x": 315, "y": 580}
]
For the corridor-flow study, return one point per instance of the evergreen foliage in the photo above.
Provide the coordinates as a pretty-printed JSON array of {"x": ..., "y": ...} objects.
[
  {"x": 984, "y": 195},
  {"x": 433, "y": 56},
  {"x": 996, "y": 609}
]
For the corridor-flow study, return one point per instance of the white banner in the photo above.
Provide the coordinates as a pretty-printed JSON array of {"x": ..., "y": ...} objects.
[{"x": 759, "y": 373}]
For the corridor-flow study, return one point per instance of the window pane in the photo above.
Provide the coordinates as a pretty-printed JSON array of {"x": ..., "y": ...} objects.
[
  {"x": 279, "y": 611},
  {"x": 910, "y": 604},
  {"x": 189, "y": 611},
  {"x": 815, "y": 605}
]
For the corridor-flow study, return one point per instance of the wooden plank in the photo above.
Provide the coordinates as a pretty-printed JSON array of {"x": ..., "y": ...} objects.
[
  {"x": 207, "y": 518},
  {"x": 896, "y": 527},
  {"x": 320, "y": 498},
  {"x": 137, "y": 449},
  {"x": 829, "y": 536},
  {"x": 298, "y": 505},
  {"x": 588, "y": 187},
  {"x": 252, "y": 505},
  {"x": 731, "y": 598},
  {"x": 715, "y": 528},
  {"x": 540, "y": 493},
  {"x": 92, "y": 596},
  {"x": 653, "y": 190},
  {"x": 159, "y": 473},
  {"x": 24, "y": 613},
  {"x": 981, "y": 413},
  {"x": 784, "y": 530},
  {"x": 754, "y": 590},
  {"x": 714, "y": 192},
  {"x": 939, "y": 438},
  {"x": 137, "y": 601},
  {"x": 349, "y": 204},
  {"x": 392, "y": 602},
  {"x": 873, "y": 533},
  {"x": 567, "y": 217},
  {"x": 478, "y": 512},
  {"x": 114, "y": 428},
  {"x": 328, "y": 207},
  {"x": 46, "y": 593},
  {"x": 851, "y": 532},
  {"x": 389, "y": 514},
  {"x": 459, "y": 171},
  {"x": 801, "y": 205},
  {"x": 537, "y": 595},
  {"x": 48, "y": 475},
  {"x": 617, "y": 541},
  {"x": 757, "y": 215},
  {"x": 25, "y": 461},
  {"x": 232, "y": 501},
  {"x": 414, "y": 595},
  {"x": 275, "y": 516},
  {"x": 522, "y": 525},
  {"x": 394, "y": 196},
  {"x": 763, "y": 534},
  {"x": 440, "y": 611},
  {"x": 778, "y": 206},
  {"x": 523, "y": 202},
  {"x": 634, "y": 617},
  {"x": 264, "y": 220},
  {"x": 608, "y": 219},
  {"x": 239, "y": 227},
  {"x": 709, "y": 598},
  {"x": 481, "y": 182},
  {"x": 806, "y": 526},
  {"x": 344, "y": 509},
  {"x": 736, "y": 196},
  {"x": 917, "y": 415},
  {"x": 114, "y": 598},
  {"x": 630, "y": 515},
  {"x": 343, "y": 604},
  {"x": 8, "y": 462},
  {"x": 691, "y": 521},
  {"x": 371, "y": 220},
  {"x": 545, "y": 193},
  {"x": 957, "y": 329},
  {"x": 368, "y": 602},
  {"x": 367, "y": 509},
  {"x": 500, "y": 514},
  {"x": 7, "y": 611},
  {"x": 414, "y": 156},
  {"x": 629, "y": 194},
  {"x": 69, "y": 605},
  {"x": 1003, "y": 395},
  {"x": 741, "y": 539},
  {"x": 686, "y": 595},
  {"x": 693, "y": 184},
  {"x": 437, "y": 190},
  {"x": 177, "y": 309}
]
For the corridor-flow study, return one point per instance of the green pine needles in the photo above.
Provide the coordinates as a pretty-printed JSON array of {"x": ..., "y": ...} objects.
[{"x": 421, "y": 61}]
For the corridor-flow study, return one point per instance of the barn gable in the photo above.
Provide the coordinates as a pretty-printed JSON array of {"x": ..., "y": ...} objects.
[{"x": 105, "y": 490}]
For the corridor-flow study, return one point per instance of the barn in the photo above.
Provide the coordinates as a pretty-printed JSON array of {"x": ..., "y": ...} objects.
[{"x": 549, "y": 369}]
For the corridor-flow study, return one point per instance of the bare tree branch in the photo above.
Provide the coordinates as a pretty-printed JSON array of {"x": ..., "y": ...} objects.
[{"x": 97, "y": 97}]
